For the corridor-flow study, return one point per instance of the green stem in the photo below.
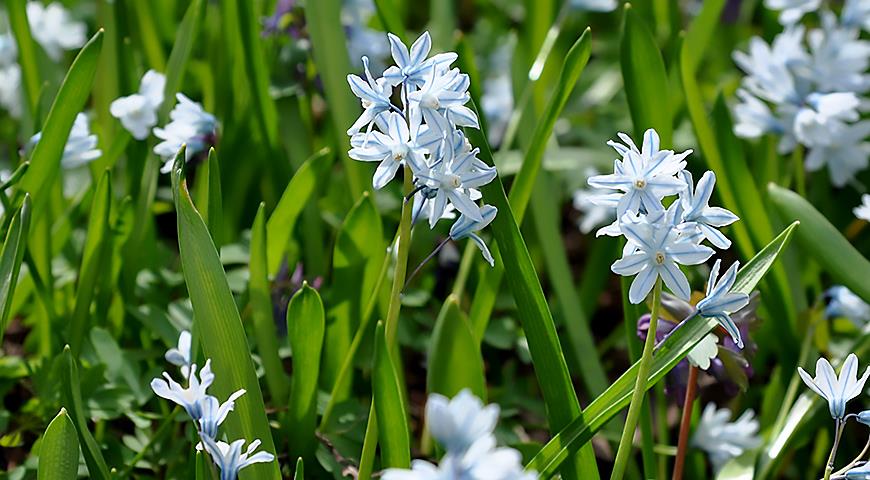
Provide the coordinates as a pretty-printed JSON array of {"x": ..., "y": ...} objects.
[
  {"x": 829, "y": 468},
  {"x": 625, "y": 442},
  {"x": 403, "y": 246}
]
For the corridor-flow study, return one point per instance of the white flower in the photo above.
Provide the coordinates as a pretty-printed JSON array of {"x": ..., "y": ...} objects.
[
  {"x": 824, "y": 117},
  {"x": 792, "y": 10},
  {"x": 658, "y": 249},
  {"x": 191, "y": 397},
  {"x": 465, "y": 227},
  {"x": 393, "y": 149},
  {"x": 700, "y": 215},
  {"x": 644, "y": 176},
  {"x": 374, "y": 96},
  {"x": 181, "y": 356},
  {"x": 412, "y": 66},
  {"x": 595, "y": 5},
  {"x": 81, "y": 146},
  {"x": 446, "y": 92},
  {"x": 721, "y": 302},
  {"x": 863, "y": 211},
  {"x": 704, "y": 351},
  {"x": 843, "y": 303},
  {"x": 363, "y": 41},
  {"x": 724, "y": 440},
  {"x": 54, "y": 29},
  {"x": 483, "y": 461},
  {"x": 836, "y": 390},
  {"x": 839, "y": 57},
  {"x": 856, "y": 13},
  {"x": 190, "y": 125},
  {"x": 845, "y": 157},
  {"x": 138, "y": 112},
  {"x": 11, "y": 90},
  {"x": 230, "y": 459},
  {"x": 460, "y": 421},
  {"x": 596, "y": 206},
  {"x": 214, "y": 413},
  {"x": 769, "y": 67}
]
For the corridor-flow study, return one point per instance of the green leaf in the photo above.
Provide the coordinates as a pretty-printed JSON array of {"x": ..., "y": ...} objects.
[
  {"x": 70, "y": 100},
  {"x": 739, "y": 468},
  {"x": 95, "y": 259},
  {"x": 455, "y": 362},
  {"x": 392, "y": 421},
  {"x": 185, "y": 38},
  {"x": 305, "y": 328},
  {"x": 299, "y": 191},
  {"x": 299, "y": 474},
  {"x": 260, "y": 295},
  {"x": 258, "y": 73},
  {"x": 645, "y": 78},
  {"x": 27, "y": 53},
  {"x": 72, "y": 400},
  {"x": 59, "y": 450},
  {"x": 356, "y": 261},
  {"x": 11, "y": 256},
  {"x": 208, "y": 195},
  {"x": 333, "y": 65},
  {"x": 219, "y": 325},
  {"x": 390, "y": 18},
  {"x": 701, "y": 31},
  {"x": 677, "y": 346},
  {"x": 823, "y": 242},
  {"x": 521, "y": 191}
]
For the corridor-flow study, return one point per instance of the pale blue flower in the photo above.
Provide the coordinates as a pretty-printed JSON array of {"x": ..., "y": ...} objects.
[
  {"x": 839, "y": 57},
  {"x": 54, "y": 29},
  {"x": 393, "y": 149},
  {"x": 723, "y": 439},
  {"x": 138, "y": 112},
  {"x": 596, "y": 206},
  {"x": 80, "y": 148},
  {"x": 658, "y": 251},
  {"x": 447, "y": 94},
  {"x": 180, "y": 356},
  {"x": 862, "y": 212},
  {"x": 190, "y": 397},
  {"x": 769, "y": 68},
  {"x": 823, "y": 118},
  {"x": 845, "y": 157},
  {"x": 864, "y": 417},
  {"x": 698, "y": 212},
  {"x": 856, "y": 13},
  {"x": 704, "y": 352},
  {"x": 465, "y": 227},
  {"x": 791, "y": 11},
  {"x": 456, "y": 423},
  {"x": 644, "y": 176},
  {"x": 374, "y": 95},
  {"x": 843, "y": 303},
  {"x": 230, "y": 459},
  {"x": 721, "y": 302},
  {"x": 214, "y": 413},
  {"x": 858, "y": 473},
  {"x": 412, "y": 67},
  {"x": 836, "y": 390},
  {"x": 482, "y": 461},
  {"x": 190, "y": 125},
  {"x": 595, "y": 5}
]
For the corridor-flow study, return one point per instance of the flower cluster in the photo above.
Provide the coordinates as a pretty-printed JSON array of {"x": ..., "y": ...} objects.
[
  {"x": 424, "y": 134},
  {"x": 723, "y": 439},
  {"x": 206, "y": 411},
  {"x": 807, "y": 87},
  {"x": 659, "y": 239},
  {"x": 464, "y": 427}
]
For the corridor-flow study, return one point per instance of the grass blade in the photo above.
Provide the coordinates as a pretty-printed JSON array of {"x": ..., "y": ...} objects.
[
  {"x": 188, "y": 30},
  {"x": 27, "y": 53},
  {"x": 10, "y": 260},
  {"x": 392, "y": 420},
  {"x": 59, "y": 450},
  {"x": 219, "y": 325},
  {"x": 72, "y": 400},
  {"x": 617, "y": 397},
  {"x": 209, "y": 201},
  {"x": 305, "y": 328}
]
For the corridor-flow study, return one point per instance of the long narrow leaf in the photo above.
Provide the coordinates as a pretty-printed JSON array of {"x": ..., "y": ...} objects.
[
  {"x": 305, "y": 328},
  {"x": 27, "y": 52},
  {"x": 392, "y": 420},
  {"x": 455, "y": 362},
  {"x": 10, "y": 260},
  {"x": 178, "y": 59},
  {"x": 72, "y": 400},
  {"x": 59, "y": 450}
]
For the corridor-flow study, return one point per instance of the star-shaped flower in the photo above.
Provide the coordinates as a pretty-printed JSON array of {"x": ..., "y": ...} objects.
[
  {"x": 460, "y": 421},
  {"x": 720, "y": 301},
  {"x": 374, "y": 95},
  {"x": 836, "y": 390},
  {"x": 412, "y": 66},
  {"x": 392, "y": 149},
  {"x": 465, "y": 227},
  {"x": 138, "y": 112},
  {"x": 698, "y": 213},
  {"x": 230, "y": 459},
  {"x": 180, "y": 356},
  {"x": 191, "y": 397}
]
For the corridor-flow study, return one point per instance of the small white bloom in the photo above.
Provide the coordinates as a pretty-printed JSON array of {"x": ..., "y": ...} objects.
[
  {"x": 465, "y": 227},
  {"x": 191, "y": 397},
  {"x": 214, "y": 413},
  {"x": 460, "y": 421},
  {"x": 230, "y": 459},
  {"x": 839, "y": 57},
  {"x": 721, "y": 302},
  {"x": 138, "y": 112},
  {"x": 704, "y": 351},
  {"x": 769, "y": 68},
  {"x": 836, "y": 390},
  {"x": 393, "y": 149},
  {"x": 483, "y": 461},
  {"x": 446, "y": 93},
  {"x": 698, "y": 213},
  {"x": 856, "y": 13},
  {"x": 823, "y": 118},
  {"x": 190, "y": 125},
  {"x": 792, "y": 10},
  {"x": 81, "y": 146},
  {"x": 722, "y": 439},
  {"x": 11, "y": 90},
  {"x": 863, "y": 211},
  {"x": 54, "y": 29},
  {"x": 596, "y": 206},
  {"x": 180, "y": 356},
  {"x": 843, "y": 303},
  {"x": 845, "y": 157},
  {"x": 412, "y": 66},
  {"x": 595, "y": 5}
]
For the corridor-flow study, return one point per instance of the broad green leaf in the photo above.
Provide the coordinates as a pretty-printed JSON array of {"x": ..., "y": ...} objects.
[
  {"x": 823, "y": 242},
  {"x": 392, "y": 420},
  {"x": 645, "y": 78},
  {"x": 305, "y": 328},
  {"x": 455, "y": 362},
  {"x": 356, "y": 261},
  {"x": 72, "y": 400},
  {"x": 219, "y": 325},
  {"x": 70, "y": 100},
  {"x": 299, "y": 473},
  {"x": 333, "y": 65},
  {"x": 59, "y": 450},
  {"x": 521, "y": 191},
  {"x": 209, "y": 201},
  {"x": 260, "y": 294},
  {"x": 11, "y": 256},
  {"x": 299, "y": 191},
  {"x": 27, "y": 53},
  {"x": 95, "y": 259},
  {"x": 185, "y": 38},
  {"x": 674, "y": 349}
]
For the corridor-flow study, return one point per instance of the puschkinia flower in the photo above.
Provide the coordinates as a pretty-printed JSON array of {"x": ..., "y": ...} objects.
[
  {"x": 791, "y": 11},
  {"x": 214, "y": 413},
  {"x": 657, "y": 252},
  {"x": 836, "y": 390},
  {"x": 230, "y": 458},
  {"x": 842, "y": 302},
  {"x": 392, "y": 149},
  {"x": 412, "y": 66},
  {"x": 80, "y": 148},
  {"x": 720, "y": 301},
  {"x": 374, "y": 95},
  {"x": 138, "y": 112},
  {"x": 697, "y": 212},
  {"x": 862, "y": 212},
  {"x": 723, "y": 439},
  {"x": 596, "y": 206},
  {"x": 189, "y": 397},
  {"x": 465, "y": 227},
  {"x": 861, "y": 472},
  {"x": 54, "y": 29},
  {"x": 864, "y": 417},
  {"x": 190, "y": 125},
  {"x": 643, "y": 176},
  {"x": 456, "y": 423},
  {"x": 180, "y": 356}
]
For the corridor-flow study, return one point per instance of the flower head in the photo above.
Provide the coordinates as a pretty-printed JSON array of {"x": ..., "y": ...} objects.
[
  {"x": 412, "y": 66},
  {"x": 862, "y": 211},
  {"x": 392, "y": 149},
  {"x": 466, "y": 227},
  {"x": 700, "y": 215},
  {"x": 190, "y": 397},
  {"x": 229, "y": 456},
  {"x": 138, "y": 112},
  {"x": 482, "y": 461},
  {"x": 836, "y": 390},
  {"x": 180, "y": 356},
  {"x": 214, "y": 413},
  {"x": 373, "y": 94},
  {"x": 54, "y": 29},
  {"x": 722, "y": 439},
  {"x": 861, "y": 472},
  {"x": 792, "y": 10},
  {"x": 460, "y": 421},
  {"x": 843, "y": 303},
  {"x": 81, "y": 146},
  {"x": 720, "y": 301},
  {"x": 190, "y": 125}
]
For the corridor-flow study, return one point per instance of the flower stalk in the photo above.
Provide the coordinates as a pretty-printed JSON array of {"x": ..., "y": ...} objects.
[
  {"x": 685, "y": 423},
  {"x": 402, "y": 246},
  {"x": 838, "y": 432},
  {"x": 625, "y": 442}
]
